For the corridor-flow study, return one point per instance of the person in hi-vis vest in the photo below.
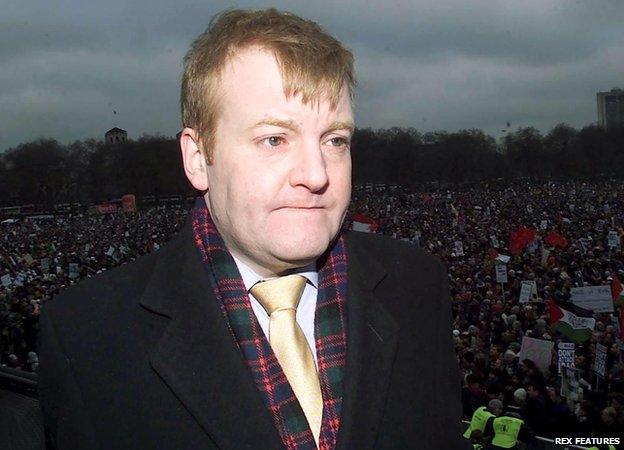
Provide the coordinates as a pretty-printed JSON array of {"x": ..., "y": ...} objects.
[
  {"x": 507, "y": 429},
  {"x": 481, "y": 416}
]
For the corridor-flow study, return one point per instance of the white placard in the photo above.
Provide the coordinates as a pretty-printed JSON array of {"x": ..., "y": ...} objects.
[
  {"x": 594, "y": 298},
  {"x": 45, "y": 264},
  {"x": 614, "y": 239},
  {"x": 537, "y": 350},
  {"x": 6, "y": 280},
  {"x": 494, "y": 241},
  {"x": 73, "y": 270},
  {"x": 528, "y": 291},
  {"x": 501, "y": 273},
  {"x": 459, "y": 248},
  {"x": 110, "y": 251},
  {"x": 565, "y": 351},
  {"x": 544, "y": 224},
  {"x": 601, "y": 359}
]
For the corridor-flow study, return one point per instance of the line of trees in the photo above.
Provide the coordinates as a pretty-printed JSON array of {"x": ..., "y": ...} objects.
[{"x": 46, "y": 172}]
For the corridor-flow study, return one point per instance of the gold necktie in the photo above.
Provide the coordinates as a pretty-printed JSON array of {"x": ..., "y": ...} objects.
[{"x": 280, "y": 297}]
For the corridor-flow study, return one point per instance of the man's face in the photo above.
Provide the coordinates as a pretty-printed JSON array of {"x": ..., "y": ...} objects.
[{"x": 280, "y": 179}]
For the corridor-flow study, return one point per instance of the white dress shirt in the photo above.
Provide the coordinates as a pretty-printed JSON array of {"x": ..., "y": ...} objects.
[{"x": 305, "y": 310}]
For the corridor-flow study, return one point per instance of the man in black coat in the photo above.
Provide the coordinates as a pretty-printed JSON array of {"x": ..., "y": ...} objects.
[{"x": 176, "y": 350}]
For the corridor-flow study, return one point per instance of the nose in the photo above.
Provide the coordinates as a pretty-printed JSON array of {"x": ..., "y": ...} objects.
[{"x": 310, "y": 167}]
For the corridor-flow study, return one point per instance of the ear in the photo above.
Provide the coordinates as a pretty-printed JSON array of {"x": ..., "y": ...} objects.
[{"x": 193, "y": 159}]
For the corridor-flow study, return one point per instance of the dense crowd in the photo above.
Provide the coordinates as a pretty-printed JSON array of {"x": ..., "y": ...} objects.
[
  {"x": 490, "y": 322},
  {"x": 40, "y": 256},
  {"x": 43, "y": 256}
]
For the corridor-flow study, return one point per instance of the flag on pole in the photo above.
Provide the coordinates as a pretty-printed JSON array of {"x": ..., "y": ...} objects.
[
  {"x": 576, "y": 328},
  {"x": 364, "y": 223},
  {"x": 617, "y": 292}
]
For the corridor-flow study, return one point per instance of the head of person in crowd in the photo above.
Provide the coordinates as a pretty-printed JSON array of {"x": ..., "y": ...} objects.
[
  {"x": 608, "y": 415},
  {"x": 519, "y": 396},
  {"x": 269, "y": 93},
  {"x": 495, "y": 406}
]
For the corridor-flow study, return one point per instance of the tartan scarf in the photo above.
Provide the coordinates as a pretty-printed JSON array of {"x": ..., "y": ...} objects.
[{"x": 329, "y": 331}]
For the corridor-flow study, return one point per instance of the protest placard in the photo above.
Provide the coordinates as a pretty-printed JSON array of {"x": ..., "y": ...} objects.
[
  {"x": 601, "y": 359},
  {"x": 501, "y": 273},
  {"x": 538, "y": 351},
  {"x": 613, "y": 239},
  {"x": 110, "y": 251},
  {"x": 73, "y": 270},
  {"x": 544, "y": 224},
  {"x": 528, "y": 291},
  {"x": 459, "y": 248},
  {"x": 45, "y": 264},
  {"x": 494, "y": 241},
  {"x": 565, "y": 352},
  {"x": 28, "y": 259},
  {"x": 594, "y": 298},
  {"x": 6, "y": 280}
]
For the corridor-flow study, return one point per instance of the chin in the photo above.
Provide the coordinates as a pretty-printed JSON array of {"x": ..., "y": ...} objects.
[{"x": 303, "y": 250}]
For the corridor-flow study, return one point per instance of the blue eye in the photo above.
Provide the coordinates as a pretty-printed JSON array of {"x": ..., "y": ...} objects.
[{"x": 273, "y": 141}]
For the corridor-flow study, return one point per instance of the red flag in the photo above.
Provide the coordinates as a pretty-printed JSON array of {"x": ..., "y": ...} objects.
[
  {"x": 520, "y": 238},
  {"x": 616, "y": 287},
  {"x": 556, "y": 240}
]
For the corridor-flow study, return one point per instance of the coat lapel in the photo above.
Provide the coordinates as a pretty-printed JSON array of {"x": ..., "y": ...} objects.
[
  {"x": 196, "y": 355},
  {"x": 372, "y": 336}
]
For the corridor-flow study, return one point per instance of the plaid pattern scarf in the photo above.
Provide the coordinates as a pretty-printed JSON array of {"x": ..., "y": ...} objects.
[{"x": 329, "y": 331}]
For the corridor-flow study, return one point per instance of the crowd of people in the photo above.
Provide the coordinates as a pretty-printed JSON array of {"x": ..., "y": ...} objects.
[
  {"x": 489, "y": 320},
  {"x": 38, "y": 258}
]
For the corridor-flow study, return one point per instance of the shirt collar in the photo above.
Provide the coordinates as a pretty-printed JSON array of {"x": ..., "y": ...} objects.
[{"x": 250, "y": 277}]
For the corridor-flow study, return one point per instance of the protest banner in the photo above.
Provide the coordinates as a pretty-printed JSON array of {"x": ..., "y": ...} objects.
[
  {"x": 459, "y": 248},
  {"x": 501, "y": 273},
  {"x": 601, "y": 359},
  {"x": 594, "y": 298},
  {"x": 106, "y": 208},
  {"x": 565, "y": 352},
  {"x": 538, "y": 351},
  {"x": 73, "y": 270}
]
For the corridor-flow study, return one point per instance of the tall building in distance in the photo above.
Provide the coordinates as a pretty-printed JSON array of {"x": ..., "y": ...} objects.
[{"x": 610, "y": 107}]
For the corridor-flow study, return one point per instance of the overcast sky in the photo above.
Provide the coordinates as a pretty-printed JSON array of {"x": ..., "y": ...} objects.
[{"x": 65, "y": 66}]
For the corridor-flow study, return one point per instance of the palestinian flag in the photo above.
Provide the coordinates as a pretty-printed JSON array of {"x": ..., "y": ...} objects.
[
  {"x": 617, "y": 292},
  {"x": 576, "y": 328}
]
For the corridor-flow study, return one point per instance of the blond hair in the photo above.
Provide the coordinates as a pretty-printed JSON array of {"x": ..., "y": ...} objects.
[{"x": 313, "y": 64}]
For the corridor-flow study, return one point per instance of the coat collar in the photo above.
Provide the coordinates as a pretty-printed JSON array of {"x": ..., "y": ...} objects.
[
  {"x": 371, "y": 346},
  {"x": 198, "y": 359},
  {"x": 196, "y": 355}
]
